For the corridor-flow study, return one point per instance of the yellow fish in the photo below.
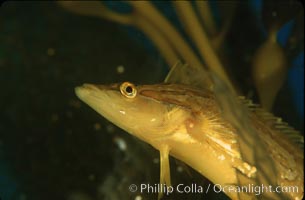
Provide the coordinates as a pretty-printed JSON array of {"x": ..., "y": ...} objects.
[{"x": 232, "y": 145}]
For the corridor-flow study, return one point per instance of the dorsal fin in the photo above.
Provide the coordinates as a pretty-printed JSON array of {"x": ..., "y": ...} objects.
[
  {"x": 275, "y": 122},
  {"x": 184, "y": 74}
]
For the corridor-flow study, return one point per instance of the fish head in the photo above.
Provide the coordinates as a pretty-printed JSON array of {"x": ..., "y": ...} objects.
[{"x": 145, "y": 111}]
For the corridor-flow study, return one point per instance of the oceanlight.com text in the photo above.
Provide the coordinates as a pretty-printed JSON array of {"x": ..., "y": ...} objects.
[{"x": 255, "y": 189}]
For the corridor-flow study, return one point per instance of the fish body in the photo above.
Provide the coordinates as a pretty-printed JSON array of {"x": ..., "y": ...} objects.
[{"x": 187, "y": 123}]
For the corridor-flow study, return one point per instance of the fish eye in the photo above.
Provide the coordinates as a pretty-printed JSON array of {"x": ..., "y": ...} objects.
[{"x": 128, "y": 90}]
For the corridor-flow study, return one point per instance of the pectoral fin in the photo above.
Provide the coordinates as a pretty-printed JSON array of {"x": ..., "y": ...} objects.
[{"x": 164, "y": 168}]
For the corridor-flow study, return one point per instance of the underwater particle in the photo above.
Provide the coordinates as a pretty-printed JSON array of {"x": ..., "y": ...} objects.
[
  {"x": 120, "y": 143},
  {"x": 91, "y": 177},
  {"x": 78, "y": 196},
  {"x": 138, "y": 197},
  {"x": 50, "y": 52},
  {"x": 120, "y": 69},
  {"x": 110, "y": 128},
  {"x": 75, "y": 103},
  {"x": 69, "y": 114},
  {"x": 22, "y": 196},
  {"x": 156, "y": 160},
  {"x": 97, "y": 126},
  {"x": 29, "y": 140},
  {"x": 54, "y": 117},
  {"x": 247, "y": 58},
  {"x": 69, "y": 132},
  {"x": 179, "y": 169}
]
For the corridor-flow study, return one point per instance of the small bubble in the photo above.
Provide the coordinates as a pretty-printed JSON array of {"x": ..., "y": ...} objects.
[
  {"x": 91, "y": 177},
  {"x": 51, "y": 52},
  {"x": 156, "y": 160},
  {"x": 110, "y": 128},
  {"x": 97, "y": 126},
  {"x": 121, "y": 143},
  {"x": 78, "y": 196},
  {"x": 120, "y": 69},
  {"x": 54, "y": 117},
  {"x": 29, "y": 140},
  {"x": 69, "y": 114},
  {"x": 69, "y": 132},
  {"x": 22, "y": 197},
  {"x": 179, "y": 169},
  {"x": 138, "y": 197},
  {"x": 75, "y": 103}
]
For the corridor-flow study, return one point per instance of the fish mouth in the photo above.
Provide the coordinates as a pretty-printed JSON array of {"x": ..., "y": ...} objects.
[
  {"x": 85, "y": 90},
  {"x": 93, "y": 93}
]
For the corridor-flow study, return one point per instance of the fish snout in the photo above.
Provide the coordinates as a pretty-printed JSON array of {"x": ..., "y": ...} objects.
[{"x": 84, "y": 90}]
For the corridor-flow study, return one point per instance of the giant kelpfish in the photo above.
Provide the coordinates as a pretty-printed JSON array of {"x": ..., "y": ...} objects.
[{"x": 194, "y": 117}]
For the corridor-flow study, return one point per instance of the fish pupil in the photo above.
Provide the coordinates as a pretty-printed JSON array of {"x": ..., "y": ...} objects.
[{"x": 128, "y": 89}]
